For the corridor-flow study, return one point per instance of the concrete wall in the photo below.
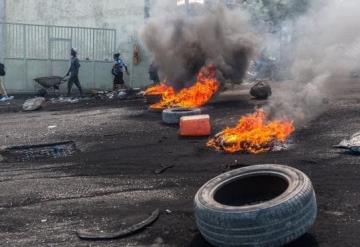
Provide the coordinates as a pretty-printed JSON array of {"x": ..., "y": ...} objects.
[
  {"x": 126, "y": 16},
  {"x": 2, "y": 37}
]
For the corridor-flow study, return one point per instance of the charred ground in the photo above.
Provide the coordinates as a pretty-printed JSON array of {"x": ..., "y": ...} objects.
[{"x": 111, "y": 183}]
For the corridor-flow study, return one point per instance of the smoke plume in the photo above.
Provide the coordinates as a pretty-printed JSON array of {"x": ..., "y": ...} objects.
[
  {"x": 322, "y": 58},
  {"x": 181, "y": 45},
  {"x": 327, "y": 56}
]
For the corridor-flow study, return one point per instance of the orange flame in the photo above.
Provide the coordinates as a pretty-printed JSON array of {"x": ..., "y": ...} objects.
[
  {"x": 253, "y": 134},
  {"x": 161, "y": 89},
  {"x": 195, "y": 96}
]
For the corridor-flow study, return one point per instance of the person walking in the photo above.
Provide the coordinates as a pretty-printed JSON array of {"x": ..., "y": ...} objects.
[
  {"x": 74, "y": 73},
  {"x": 3, "y": 92},
  {"x": 117, "y": 72}
]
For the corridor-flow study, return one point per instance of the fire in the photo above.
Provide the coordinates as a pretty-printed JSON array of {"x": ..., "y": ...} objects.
[
  {"x": 195, "y": 96},
  {"x": 161, "y": 89},
  {"x": 253, "y": 134}
]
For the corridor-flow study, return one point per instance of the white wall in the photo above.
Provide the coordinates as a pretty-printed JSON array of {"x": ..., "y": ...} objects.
[
  {"x": 126, "y": 16},
  {"x": 2, "y": 37},
  {"x": 123, "y": 15}
]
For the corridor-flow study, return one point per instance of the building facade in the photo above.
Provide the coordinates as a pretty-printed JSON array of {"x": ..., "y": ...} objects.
[
  {"x": 66, "y": 24},
  {"x": 124, "y": 17}
]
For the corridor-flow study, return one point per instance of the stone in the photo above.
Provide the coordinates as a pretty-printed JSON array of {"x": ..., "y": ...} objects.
[{"x": 33, "y": 104}]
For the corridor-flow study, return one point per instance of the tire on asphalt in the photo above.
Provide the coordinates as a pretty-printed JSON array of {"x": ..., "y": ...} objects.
[
  {"x": 263, "y": 205},
  {"x": 261, "y": 90},
  {"x": 173, "y": 115}
]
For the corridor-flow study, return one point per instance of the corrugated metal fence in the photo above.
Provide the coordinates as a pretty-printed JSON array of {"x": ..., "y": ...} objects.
[{"x": 37, "y": 50}]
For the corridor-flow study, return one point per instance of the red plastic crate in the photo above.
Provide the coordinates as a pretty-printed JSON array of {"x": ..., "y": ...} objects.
[{"x": 198, "y": 125}]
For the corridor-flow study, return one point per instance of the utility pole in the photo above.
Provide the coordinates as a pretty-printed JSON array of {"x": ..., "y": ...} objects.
[{"x": 2, "y": 29}]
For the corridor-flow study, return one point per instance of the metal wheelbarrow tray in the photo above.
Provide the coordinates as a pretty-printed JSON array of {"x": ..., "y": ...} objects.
[{"x": 50, "y": 81}]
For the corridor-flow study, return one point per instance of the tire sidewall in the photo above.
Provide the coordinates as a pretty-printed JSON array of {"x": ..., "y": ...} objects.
[
  {"x": 173, "y": 115},
  {"x": 296, "y": 202},
  {"x": 294, "y": 177}
]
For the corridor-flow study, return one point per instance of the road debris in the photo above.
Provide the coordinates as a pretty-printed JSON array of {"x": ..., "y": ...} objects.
[
  {"x": 353, "y": 144},
  {"x": 122, "y": 95},
  {"x": 163, "y": 168},
  {"x": 83, "y": 234},
  {"x": 6, "y": 98},
  {"x": 110, "y": 95},
  {"x": 41, "y": 151},
  {"x": 34, "y": 104},
  {"x": 71, "y": 100},
  {"x": 335, "y": 213}
]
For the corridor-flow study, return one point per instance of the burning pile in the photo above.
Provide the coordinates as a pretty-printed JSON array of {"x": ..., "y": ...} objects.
[
  {"x": 253, "y": 134},
  {"x": 161, "y": 89},
  {"x": 195, "y": 96}
]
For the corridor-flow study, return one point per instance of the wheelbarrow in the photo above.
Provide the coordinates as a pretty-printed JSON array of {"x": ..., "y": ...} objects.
[{"x": 49, "y": 82}]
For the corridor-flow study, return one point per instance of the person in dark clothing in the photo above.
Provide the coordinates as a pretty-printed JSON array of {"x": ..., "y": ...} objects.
[
  {"x": 153, "y": 73},
  {"x": 117, "y": 72},
  {"x": 74, "y": 73},
  {"x": 3, "y": 92}
]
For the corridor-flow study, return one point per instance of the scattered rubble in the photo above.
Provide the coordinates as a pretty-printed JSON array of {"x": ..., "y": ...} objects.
[
  {"x": 261, "y": 90},
  {"x": 65, "y": 100},
  {"x": 100, "y": 95},
  {"x": 121, "y": 94},
  {"x": 34, "y": 104}
]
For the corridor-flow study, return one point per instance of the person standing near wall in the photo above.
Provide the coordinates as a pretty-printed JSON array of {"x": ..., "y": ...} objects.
[
  {"x": 3, "y": 92},
  {"x": 74, "y": 73},
  {"x": 118, "y": 73},
  {"x": 153, "y": 73}
]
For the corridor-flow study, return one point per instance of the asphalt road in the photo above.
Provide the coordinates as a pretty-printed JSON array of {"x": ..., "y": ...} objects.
[{"x": 110, "y": 183}]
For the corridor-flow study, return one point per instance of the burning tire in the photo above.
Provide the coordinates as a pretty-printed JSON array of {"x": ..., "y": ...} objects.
[
  {"x": 264, "y": 205},
  {"x": 172, "y": 116},
  {"x": 261, "y": 90},
  {"x": 152, "y": 99}
]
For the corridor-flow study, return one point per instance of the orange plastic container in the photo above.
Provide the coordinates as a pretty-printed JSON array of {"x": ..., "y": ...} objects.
[{"x": 198, "y": 125}]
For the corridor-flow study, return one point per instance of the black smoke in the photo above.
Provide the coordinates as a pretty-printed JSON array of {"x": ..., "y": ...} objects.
[{"x": 181, "y": 45}]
